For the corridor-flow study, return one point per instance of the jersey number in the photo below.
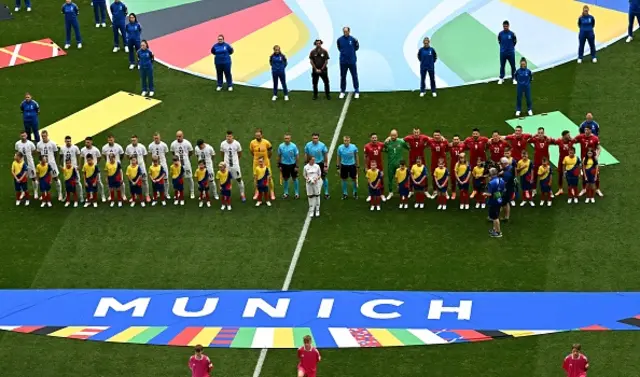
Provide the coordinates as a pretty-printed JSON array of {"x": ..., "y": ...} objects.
[{"x": 375, "y": 152}]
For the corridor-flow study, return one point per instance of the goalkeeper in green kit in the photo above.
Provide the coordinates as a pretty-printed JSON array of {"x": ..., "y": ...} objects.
[{"x": 394, "y": 148}]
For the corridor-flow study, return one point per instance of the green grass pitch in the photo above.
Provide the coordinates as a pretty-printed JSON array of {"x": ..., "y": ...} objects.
[{"x": 567, "y": 248}]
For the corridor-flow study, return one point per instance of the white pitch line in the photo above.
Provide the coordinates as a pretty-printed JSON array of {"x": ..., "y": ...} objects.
[{"x": 307, "y": 223}]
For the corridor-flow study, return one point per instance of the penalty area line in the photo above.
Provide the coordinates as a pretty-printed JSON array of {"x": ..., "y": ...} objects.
[{"x": 307, "y": 223}]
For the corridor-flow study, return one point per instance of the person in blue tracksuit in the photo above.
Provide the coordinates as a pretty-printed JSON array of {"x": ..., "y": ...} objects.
[
  {"x": 71, "y": 12},
  {"x": 278, "y": 63},
  {"x": 119, "y": 20},
  {"x": 133, "y": 36},
  {"x": 145, "y": 61},
  {"x": 634, "y": 14},
  {"x": 523, "y": 77},
  {"x": 30, "y": 111},
  {"x": 427, "y": 56},
  {"x": 347, "y": 46},
  {"x": 586, "y": 23},
  {"x": 100, "y": 12},
  {"x": 222, "y": 52},
  {"x": 507, "y": 41},
  {"x": 27, "y": 4}
]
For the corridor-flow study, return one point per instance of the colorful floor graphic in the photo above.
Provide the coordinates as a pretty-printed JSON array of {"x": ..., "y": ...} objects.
[
  {"x": 463, "y": 32},
  {"x": 335, "y": 319},
  {"x": 29, "y": 52}
]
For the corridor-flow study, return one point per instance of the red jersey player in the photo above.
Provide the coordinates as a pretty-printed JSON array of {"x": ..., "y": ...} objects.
[
  {"x": 456, "y": 147},
  {"x": 200, "y": 364},
  {"x": 564, "y": 145},
  {"x": 477, "y": 145},
  {"x": 309, "y": 358},
  {"x": 518, "y": 141},
  {"x": 576, "y": 364},
  {"x": 373, "y": 152},
  {"x": 496, "y": 147},
  {"x": 588, "y": 141},
  {"x": 417, "y": 144},
  {"x": 438, "y": 146},
  {"x": 541, "y": 143}
]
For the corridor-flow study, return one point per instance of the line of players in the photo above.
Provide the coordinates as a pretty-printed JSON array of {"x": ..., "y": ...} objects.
[{"x": 471, "y": 171}]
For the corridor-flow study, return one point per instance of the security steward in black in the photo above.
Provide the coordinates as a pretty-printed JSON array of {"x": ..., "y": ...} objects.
[{"x": 319, "y": 58}]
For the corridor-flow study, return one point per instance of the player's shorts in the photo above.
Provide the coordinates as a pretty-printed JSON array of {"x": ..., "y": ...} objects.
[
  {"x": 92, "y": 189},
  {"x": 463, "y": 186},
  {"x": 187, "y": 171},
  {"x": 70, "y": 188},
  {"x": 264, "y": 188},
  {"x": 313, "y": 189},
  {"x": 348, "y": 171},
  {"x": 525, "y": 183},
  {"x": 135, "y": 189},
  {"x": 225, "y": 193},
  {"x": 235, "y": 172},
  {"x": 203, "y": 186},
  {"x": 178, "y": 184},
  {"x": 545, "y": 187},
  {"x": 417, "y": 187},
  {"x": 113, "y": 183},
  {"x": 590, "y": 178},
  {"x": 323, "y": 173},
  {"x": 478, "y": 185},
  {"x": 572, "y": 180},
  {"x": 442, "y": 189},
  {"x": 54, "y": 169},
  {"x": 44, "y": 185},
  {"x": 158, "y": 187},
  {"x": 20, "y": 186},
  {"x": 494, "y": 211},
  {"x": 289, "y": 171},
  {"x": 374, "y": 191},
  {"x": 166, "y": 170},
  {"x": 403, "y": 190},
  {"x": 508, "y": 195},
  {"x": 31, "y": 172},
  {"x": 306, "y": 373}
]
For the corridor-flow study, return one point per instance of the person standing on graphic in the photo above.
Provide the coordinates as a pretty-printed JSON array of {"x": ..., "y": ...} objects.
[
  {"x": 222, "y": 52},
  {"x": 507, "y": 41},
  {"x": 427, "y": 56},
  {"x": 348, "y": 45},
  {"x": 524, "y": 76},
  {"x": 71, "y": 12},
  {"x": 587, "y": 23},
  {"x": 118, "y": 20},
  {"x": 634, "y": 13}
]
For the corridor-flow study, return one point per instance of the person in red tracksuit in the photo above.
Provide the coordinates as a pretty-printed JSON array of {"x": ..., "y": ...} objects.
[
  {"x": 588, "y": 141},
  {"x": 564, "y": 145},
  {"x": 541, "y": 143},
  {"x": 576, "y": 363},
  {"x": 477, "y": 146}
]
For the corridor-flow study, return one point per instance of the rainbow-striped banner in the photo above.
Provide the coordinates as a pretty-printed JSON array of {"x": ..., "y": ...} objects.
[{"x": 284, "y": 337}]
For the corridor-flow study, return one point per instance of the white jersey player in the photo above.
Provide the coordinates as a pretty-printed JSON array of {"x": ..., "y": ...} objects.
[
  {"x": 49, "y": 149},
  {"x": 90, "y": 149},
  {"x": 112, "y": 148},
  {"x": 183, "y": 149},
  {"x": 231, "y": 151},
  {"x": 139, "y": 151},
  {"x": 71, "y": 152},
  {"x": 159, "y": 148},
  {"x": 313, "y": 175},
  {"x": 26, "y": 147},
  {"x": 204, "y": 152}
]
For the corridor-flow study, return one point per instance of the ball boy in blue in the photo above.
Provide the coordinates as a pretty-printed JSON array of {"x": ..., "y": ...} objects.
[
  {"x": 222, "y": 52},
  {"x": 145, "y": 60},
  {"x": 278, "y": 63},
  {"x": 133, "y": 32},
  {"x": 71, "y": 12}
]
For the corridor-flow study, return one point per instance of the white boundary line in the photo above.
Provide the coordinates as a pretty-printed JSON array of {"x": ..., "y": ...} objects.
[
  {"x": 14, "y": 56},
  {"x": 307, "y": 223}
]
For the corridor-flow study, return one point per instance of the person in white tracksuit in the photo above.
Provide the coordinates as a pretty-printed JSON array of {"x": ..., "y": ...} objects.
[{"x": 313, "y": 176}]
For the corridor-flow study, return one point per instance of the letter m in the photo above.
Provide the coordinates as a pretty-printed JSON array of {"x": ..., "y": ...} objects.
[{"x": 139, "y": 306}]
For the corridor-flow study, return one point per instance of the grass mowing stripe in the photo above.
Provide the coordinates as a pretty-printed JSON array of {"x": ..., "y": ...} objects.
[{"x": 307, "y": 223}]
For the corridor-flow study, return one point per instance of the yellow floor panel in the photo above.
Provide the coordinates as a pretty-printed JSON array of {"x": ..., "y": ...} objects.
[
  {"x": 251, "y": 57},
  {"x": 99, "y": 117},
  {"x": 610, "y": 24}
]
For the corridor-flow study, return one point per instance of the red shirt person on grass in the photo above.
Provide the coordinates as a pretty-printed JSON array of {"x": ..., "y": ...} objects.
[
  {"x": 564, "y": 145},
  {"x": 477, "y": 146},
  {"x": 518, "y": 141},
  {"x": 541, "y": 143},
  {"x": 588, "y": 141},
  {"x": 456, "y": 147},
  {"x": 199, "y": 363},
  {"x": 417, "y": 143},
  {"x": 496, "y": 147},
  {"x": 576, "y": 363},
  {"x": 438, "y": 146},
  {"x": 308, "y": 357},
  {"x": 373, "y": 152}
]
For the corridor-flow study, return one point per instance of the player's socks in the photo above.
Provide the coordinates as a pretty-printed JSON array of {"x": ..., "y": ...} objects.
[
  {"x": 344, "y": 187},
  {"x": 59, "y": 187},
  {"x": 296, "y": 187},
  {"x": 286, "y": 187},
  {"x": 325, "y": 185}
]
